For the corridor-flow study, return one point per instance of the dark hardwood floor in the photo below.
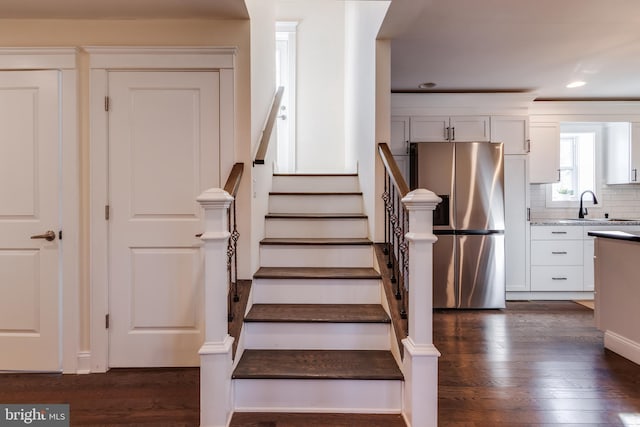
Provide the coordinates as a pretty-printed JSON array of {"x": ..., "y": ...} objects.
[
  {"x": 533, "y": 364},
  {"x": 530, "y": 365}
]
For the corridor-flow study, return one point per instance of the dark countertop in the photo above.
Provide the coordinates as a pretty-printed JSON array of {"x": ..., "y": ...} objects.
[
  {"x": 617, "y": 235},
  {"x": 586, "y": 221}
]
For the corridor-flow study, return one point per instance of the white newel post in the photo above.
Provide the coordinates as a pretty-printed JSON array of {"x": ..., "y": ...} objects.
[
  {"x": 215, "y": 354},
  {"x": 421, "y": 356}
]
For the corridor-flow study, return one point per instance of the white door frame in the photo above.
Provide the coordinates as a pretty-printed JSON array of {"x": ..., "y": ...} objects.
[
  {"x": 101, "y": 61},
  {"x": 64, "y": 61}
]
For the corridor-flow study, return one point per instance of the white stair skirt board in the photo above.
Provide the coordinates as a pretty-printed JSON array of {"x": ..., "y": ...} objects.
[
  {"x": 316, "y": 256},
  {"x": 316, "y": 291},
  {"x": 325, "y": 203},
  {"x": 308, "y": 183},
  {"x": 317, "y": 336},
  {"x": 316, "y": 228},
  {"x": 347, "y": 396}
]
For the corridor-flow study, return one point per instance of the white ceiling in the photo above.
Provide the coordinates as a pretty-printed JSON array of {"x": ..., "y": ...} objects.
[
  {"x": 517, "y": 45},
  {"x": 122, "y": 9},
  {"x": 536, "y": 46}
]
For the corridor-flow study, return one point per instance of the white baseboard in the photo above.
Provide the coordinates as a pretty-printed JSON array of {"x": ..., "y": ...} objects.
[
  {"x": 623, "y": 346},
  {"x": 84, "y": 362}
]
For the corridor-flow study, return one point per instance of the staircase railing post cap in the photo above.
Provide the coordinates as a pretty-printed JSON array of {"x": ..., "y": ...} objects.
[
  {"x": 420, "y": 197},
  {"x": 214, "y": 196}
]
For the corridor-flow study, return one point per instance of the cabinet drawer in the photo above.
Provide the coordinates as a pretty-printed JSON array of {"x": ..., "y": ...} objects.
[
  {"x": 556, "y": 252},
  {"x": 556, "y": 278},
  {"x": 544, "y": 232}
]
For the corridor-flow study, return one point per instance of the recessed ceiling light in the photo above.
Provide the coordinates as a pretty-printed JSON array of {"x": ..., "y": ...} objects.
[
  {"x": 428, "y": 85},
  {"x": 575, "y": 84}
]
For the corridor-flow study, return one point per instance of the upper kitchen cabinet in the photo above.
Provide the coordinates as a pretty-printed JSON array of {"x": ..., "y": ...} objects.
[
  {"x": 444, "y": 128},
  {"x": 544, "y": 154},
  {"x": 399, "y": 135},
  {"x": 512, "y": 131},
  {"x": 623, "y": 153},
  {"x": 399, "y": 145}
]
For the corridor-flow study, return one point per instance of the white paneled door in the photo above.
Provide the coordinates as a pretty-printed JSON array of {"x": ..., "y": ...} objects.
[
  {"x": 30, "y": 278},
  {"x": 163, "y": 152}
]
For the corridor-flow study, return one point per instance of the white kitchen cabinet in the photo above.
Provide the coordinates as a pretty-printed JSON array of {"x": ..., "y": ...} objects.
[
  {"x": 512, "y": 131},
  {"x": 454, "y": 128},
  {"x": 623, "y": 153},
  {"x": 516, "y": 227},
  {"x": 544, "y": 154},
  {"x": 556, "y": 258},
  {"x": 399, "y": 144}
]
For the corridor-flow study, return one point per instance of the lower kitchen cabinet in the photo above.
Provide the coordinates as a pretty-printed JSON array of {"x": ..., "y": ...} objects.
[{"x": 556, "y": 258}]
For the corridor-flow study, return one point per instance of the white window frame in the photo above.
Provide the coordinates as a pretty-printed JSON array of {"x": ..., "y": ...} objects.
[{"x": 598, "y": 162}]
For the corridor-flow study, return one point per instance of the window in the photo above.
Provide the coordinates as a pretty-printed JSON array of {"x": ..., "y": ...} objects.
[{"x": 577, "y": 163}]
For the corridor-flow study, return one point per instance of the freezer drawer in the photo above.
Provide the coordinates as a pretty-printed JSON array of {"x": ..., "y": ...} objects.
[
  {"x": 481, "y": 272},
  {"x": 469, "y": 271},
  {"x": 444, "y": 292}
]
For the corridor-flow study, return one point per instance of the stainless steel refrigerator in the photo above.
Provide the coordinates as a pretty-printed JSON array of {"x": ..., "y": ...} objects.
[{"x": 468, "y": 258}]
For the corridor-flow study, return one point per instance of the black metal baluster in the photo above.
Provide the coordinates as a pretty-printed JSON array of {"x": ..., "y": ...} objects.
[
  {"x": 404, "y": 249},
  {"x": 229, "y": 278},
  {"x": 392, "y": 223},
  {"x": 235, "y": 235},
  {"x": 385, "y": 199}
]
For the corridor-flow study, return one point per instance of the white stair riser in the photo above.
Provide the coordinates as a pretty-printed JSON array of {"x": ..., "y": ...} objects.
[
  {"x": 316, "y": 228},
  {"x": 317, "y": 336},
  {"x": 315, "y": 204},
  {"x": 316, "y": 291},
  {"x": 301, "y": 183},
  {"x": 346, "y": 396},
  {"x": 316, "y": 256}
]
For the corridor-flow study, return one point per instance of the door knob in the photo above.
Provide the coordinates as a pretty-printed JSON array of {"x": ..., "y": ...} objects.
[{"x": 48, "y": 236}]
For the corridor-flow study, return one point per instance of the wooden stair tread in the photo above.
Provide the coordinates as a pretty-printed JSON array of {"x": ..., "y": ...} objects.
[
  {"x": 315, "y": 193},
  {"x": 318, "y": 364},
  {"x": 315, "y": 216},
  {"x": 316, "y": 241},
  {"x": 315, "y": 174},
  {"x": 316, "y": 273},
  {"x": 305, "y": 419},
  {"x": 318, "y": 313}
]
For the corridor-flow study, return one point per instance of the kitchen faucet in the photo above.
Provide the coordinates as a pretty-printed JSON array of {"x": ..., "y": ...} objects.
[{"x": 583, "y": 211}]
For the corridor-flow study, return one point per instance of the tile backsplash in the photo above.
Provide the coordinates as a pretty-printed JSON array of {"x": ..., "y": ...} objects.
[{"x": 619, "y": 201}]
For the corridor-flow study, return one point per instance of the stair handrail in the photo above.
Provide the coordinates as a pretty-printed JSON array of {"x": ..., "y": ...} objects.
[
  {"x": 234, "y": 178},
  {"x": 396, "y": 226},
  {"x": 261, "y": 153}
]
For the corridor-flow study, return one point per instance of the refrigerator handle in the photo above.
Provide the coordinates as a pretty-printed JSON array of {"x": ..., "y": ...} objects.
[{"x": 529, "y": 214}]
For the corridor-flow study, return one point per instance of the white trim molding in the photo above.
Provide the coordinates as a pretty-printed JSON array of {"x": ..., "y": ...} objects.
[
  {"x": 64, "y": 60},
  {"x": 625, "y": 347},
  {"x": 102, "y": 60},
  {"x": 187, "y": 57}
]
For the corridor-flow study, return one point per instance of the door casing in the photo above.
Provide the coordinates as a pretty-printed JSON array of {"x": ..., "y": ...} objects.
[
  {"x": 101, "y": 61},
  {"x": 64, "y": 60}
]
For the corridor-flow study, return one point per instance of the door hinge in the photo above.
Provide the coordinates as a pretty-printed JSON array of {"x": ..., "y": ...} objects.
[
  {"x": 106, "y": 212},
  {"x": 107, "y": 103},
  {"x": 60, "y": 235},
  {"x": 106, "y": 321}
]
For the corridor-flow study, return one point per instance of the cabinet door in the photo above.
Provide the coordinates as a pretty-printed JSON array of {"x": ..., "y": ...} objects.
[
  {"x": 516, "y": 225},
  {"x": 470, "y": 128},
  {"x": 399, "y": 144},
  {"x": 512, "y": 131},
  {"x": 429, "y": 128},
  {"x": 544, "y": 157},
  {"x": 635, "y": 153},
  {"x": 618, "y": 149}
]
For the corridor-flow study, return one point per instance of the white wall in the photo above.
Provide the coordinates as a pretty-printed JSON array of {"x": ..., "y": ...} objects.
[
  {"x": 262, "y": 15},
  {"x": 320, "y": 126},
  {"x": 363, "y": 20}
]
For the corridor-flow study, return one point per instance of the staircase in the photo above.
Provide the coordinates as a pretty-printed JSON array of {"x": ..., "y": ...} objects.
[{"x": 317, "y": 338}]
